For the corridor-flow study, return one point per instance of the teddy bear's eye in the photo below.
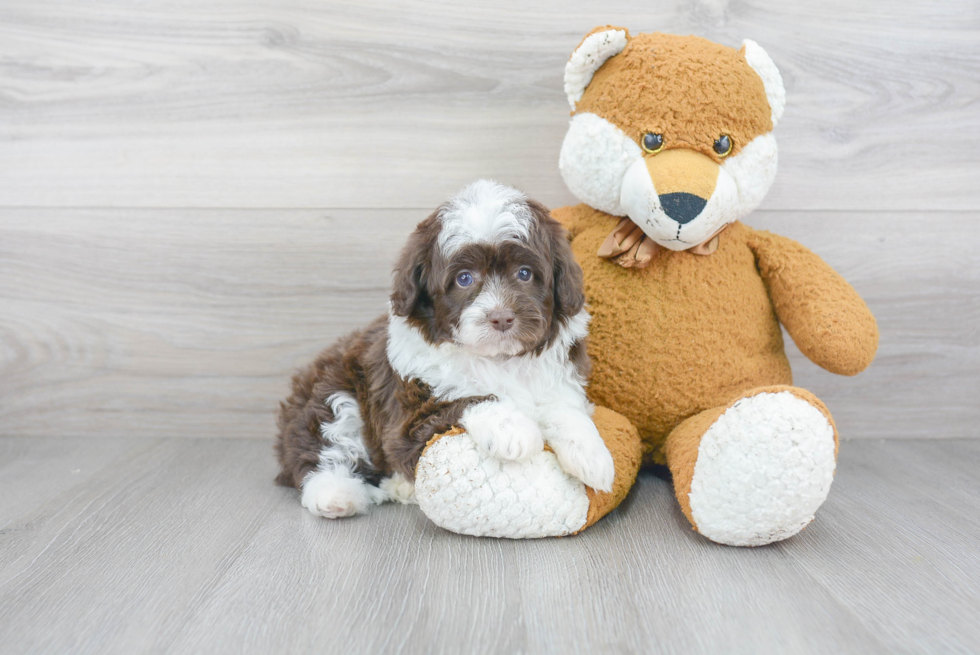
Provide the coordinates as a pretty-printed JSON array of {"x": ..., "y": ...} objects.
[
  {"x": 723, "y": 145},
  {"x": 653, "y": 143}
]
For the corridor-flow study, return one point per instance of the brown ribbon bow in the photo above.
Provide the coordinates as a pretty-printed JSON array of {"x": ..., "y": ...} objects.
[{"x": 629, "y": 247}]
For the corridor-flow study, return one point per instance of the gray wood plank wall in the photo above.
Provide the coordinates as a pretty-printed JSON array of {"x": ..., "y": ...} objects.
[{"x": 196, "y": 197}]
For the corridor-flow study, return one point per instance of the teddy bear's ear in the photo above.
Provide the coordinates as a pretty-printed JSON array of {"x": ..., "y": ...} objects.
[
  {"x": 599, "y": 45},
  {"x": 761, "y": 63}
]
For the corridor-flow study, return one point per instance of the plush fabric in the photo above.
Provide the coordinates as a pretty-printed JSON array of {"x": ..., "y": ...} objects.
[
  {"x": 688, "y": 332},
  {"x": 827, "y": 319},
  {"x": 686, "y": 88},
  {"x": 684, "y": 444},
  {"x": 685, "y": 337},
  {"x": 623, "y": 442}
]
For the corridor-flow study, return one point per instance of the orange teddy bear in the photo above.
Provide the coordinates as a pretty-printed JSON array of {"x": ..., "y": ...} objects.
[{"x": 675, "y": 134}]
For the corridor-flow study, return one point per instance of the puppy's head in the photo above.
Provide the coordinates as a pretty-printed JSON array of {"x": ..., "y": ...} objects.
[{"x": 489, "y": 270}]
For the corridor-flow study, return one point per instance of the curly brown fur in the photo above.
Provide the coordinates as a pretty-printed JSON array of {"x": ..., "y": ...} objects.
[{"x": 400, "y": 416}]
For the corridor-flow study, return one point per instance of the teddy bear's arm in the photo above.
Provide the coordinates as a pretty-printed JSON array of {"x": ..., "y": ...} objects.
[
  {"x": 574, "y": 218},
  {"x": 826, "y": 317}
]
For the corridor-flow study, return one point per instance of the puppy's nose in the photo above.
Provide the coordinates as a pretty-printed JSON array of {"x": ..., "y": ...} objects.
[{"x": 501, "y": 319}]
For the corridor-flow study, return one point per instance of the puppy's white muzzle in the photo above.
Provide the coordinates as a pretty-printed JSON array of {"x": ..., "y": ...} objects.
[{"x": 476, "y": 330}]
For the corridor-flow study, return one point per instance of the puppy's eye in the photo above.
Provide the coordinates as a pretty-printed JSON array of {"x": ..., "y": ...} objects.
[
  {"x": 524, "y": 275},
  {"x": 653, "y": 142},
  {"x": 464, "y": 279},
  {"x": 723, "y": 145}
]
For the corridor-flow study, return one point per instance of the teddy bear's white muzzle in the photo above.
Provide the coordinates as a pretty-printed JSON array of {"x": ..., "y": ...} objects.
[{"x": 677, "y": 220}]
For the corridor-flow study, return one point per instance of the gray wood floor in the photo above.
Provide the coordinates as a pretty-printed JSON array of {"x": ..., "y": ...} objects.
[{"x": 184, "y": 546}]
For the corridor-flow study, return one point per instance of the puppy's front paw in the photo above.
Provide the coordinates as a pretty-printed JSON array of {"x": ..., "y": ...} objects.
[
  {"x": 590, "y": 463},
  {"x": 501, "y": 430},
  {"x": 583, "y": 453}
]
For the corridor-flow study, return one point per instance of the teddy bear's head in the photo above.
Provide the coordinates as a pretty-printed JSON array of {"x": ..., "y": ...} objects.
[{"x": 674, "y": 132}]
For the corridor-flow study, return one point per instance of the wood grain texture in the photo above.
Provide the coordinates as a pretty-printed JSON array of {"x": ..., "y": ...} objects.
[
  {"x": 259, "y": 103},
  {"x": 189, "y": 322},
  {"x": 176, "y": 546}
]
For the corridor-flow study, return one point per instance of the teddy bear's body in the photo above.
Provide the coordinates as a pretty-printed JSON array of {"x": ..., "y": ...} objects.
[
  {"x": 688, "y": 333},
  {"x": 669, "y": 340},
  {"x": 669, "y": 146}
]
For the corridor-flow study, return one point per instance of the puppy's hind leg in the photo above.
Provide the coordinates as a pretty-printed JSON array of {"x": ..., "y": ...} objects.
[
  {"x": 335, "y": 488},
  {"x": 399, "y": 488}
]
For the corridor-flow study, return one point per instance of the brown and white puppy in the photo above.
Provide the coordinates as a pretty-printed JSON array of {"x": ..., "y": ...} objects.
[{"x": 486, "y": 331}]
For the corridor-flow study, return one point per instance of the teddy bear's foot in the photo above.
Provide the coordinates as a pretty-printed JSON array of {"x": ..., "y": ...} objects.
[
  {"x": 464, "y": 489},
  {"x": 754, "y": 472},
  {"x": 468, "y": 491}
]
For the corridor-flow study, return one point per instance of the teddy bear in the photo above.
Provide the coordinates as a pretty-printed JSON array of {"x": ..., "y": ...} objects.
[{"x": 669, "y": 146}]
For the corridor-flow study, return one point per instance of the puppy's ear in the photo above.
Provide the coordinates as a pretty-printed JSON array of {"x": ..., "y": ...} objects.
[
  {"x": 567, "y": 274},
  {"x": 409, "y": 295}
]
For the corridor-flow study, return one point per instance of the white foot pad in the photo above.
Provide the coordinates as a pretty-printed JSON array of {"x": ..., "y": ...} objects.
[
  {"x": 763, "y": 469},
  {"x": 466, "y": 491}
]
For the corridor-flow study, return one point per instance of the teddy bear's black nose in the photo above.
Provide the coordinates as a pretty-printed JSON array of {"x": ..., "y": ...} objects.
[{"x": 682, "y": 207}]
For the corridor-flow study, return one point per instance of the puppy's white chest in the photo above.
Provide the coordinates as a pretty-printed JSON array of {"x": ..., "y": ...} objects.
[
  {"x": 526, "y": 383},
  {"x": 530, "y": 381}
]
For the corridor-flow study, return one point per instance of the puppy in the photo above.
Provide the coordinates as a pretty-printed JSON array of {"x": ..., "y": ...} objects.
[{"x": 486, "y": 331}]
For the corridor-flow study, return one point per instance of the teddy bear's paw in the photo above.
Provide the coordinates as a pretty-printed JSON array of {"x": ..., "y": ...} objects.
[
  {"x": 499, "y": 429},
  {"x": 763, "y": 468}
]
